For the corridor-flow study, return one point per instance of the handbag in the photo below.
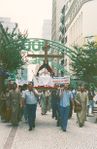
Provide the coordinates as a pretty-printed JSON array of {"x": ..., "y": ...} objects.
[{"x": 77, "y": 106}]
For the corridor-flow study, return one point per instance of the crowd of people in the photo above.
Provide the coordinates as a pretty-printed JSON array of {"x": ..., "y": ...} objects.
[{"x": 18, "y": 101}]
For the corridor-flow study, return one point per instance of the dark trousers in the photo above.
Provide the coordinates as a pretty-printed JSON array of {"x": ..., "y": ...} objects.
[
  {"x": 64, "y": 113},
  {"x": 58, "y": 115},
  {"x": 54, "y": 108},
  {"x": 71, "y": 110},
  {"x": 31, "y": 112}
]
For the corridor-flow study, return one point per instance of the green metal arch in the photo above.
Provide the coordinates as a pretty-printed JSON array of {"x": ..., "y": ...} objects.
[
  {"x": 37, "y": 44},
  {"x": 40, "y": 43}
]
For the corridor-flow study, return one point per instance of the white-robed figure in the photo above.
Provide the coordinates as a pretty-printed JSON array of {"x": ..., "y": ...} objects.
[{"x": 45, "y": 79}]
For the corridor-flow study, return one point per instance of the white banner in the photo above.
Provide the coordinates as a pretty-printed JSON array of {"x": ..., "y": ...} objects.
[
  {"x": 47, "y": 80},
  {"x": 61, "y": 80}
]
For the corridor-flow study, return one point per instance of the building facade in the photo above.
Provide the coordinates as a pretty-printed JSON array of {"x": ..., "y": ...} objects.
[
  {"x": 75, "y": 23},
  {"x": 80, "y": 22},
  {"x": 58, "y": 25}
]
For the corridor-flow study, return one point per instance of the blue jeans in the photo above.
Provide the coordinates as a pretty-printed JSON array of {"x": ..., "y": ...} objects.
[
  {"x": 64, "y": 114},
  {"x": 31, "y": 112},
  {"x": 91, "y": 103}
]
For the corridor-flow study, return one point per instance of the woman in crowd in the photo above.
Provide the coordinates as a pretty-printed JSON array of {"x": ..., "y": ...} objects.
[
  {"x": 15, "y": 101},
  {"x": 3, "y": 105},
  {"x": 82, "y": 98}
]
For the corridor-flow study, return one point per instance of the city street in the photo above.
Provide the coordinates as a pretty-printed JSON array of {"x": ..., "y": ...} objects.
[
  {"x": 47, "y": 136},
  {"x": 48, "y": 55}
]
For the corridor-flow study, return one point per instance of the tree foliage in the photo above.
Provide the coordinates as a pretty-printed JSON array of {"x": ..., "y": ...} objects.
[
  {"x": 11, "y": 44},
  {"x": 84, "y": 62}
]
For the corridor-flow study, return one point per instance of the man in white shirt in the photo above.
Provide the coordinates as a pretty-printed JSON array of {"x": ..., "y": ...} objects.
[{"x": 30, "y": 100}]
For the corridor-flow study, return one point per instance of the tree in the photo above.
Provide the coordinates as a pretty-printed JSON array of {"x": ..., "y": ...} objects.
[
  {"x": 84, "y": 62},
  {"x": 11, "y": 45},
  {"x": 10, "y": 49}
]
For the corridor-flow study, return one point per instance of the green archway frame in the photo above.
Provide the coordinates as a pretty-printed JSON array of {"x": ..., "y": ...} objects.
[{"x": 36, "y": 44}]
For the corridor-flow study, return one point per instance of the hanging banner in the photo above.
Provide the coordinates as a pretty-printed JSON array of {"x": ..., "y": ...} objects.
[{"x": 46, "y": 80}]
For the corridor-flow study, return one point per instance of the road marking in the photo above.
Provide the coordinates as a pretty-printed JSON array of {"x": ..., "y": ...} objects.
[{"x": 10, "y": 139}]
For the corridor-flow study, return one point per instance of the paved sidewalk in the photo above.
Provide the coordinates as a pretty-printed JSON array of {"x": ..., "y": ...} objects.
[
  {"x": 4, "y": 133},
  {"x": 47, "y": 136}
]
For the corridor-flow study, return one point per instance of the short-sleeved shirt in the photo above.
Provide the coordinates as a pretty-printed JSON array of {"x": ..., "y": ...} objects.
[
  {"x": 65, "y": 99},
  {"x": 29, "y": 97}
]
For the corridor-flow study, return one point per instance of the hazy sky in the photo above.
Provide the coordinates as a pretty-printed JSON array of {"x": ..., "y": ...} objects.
[{"x": 29, "y": 14}]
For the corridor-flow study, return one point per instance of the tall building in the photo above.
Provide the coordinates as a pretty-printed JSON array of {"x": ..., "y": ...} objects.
[
  {"x": 80, "y": 21},
  {"x": 57, "y": 14},
  {"x": 57, "y": 24},
  {"x": 53, "y": 32},
  {"x": 74, "y": 22}
]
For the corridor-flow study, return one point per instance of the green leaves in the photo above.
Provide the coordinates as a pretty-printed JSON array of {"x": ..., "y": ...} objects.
[
  {"x": 11, "y": 45},
  {"x": 84, "y": 62}
]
